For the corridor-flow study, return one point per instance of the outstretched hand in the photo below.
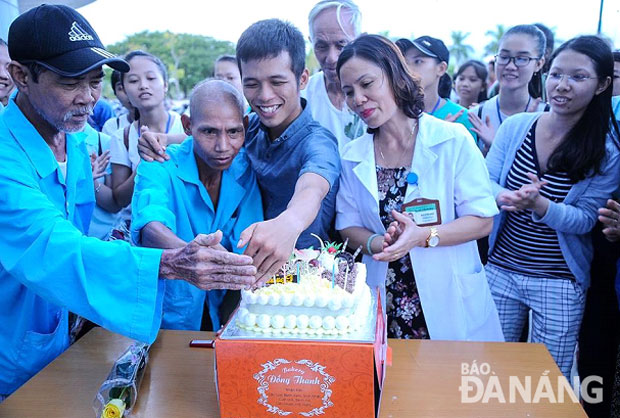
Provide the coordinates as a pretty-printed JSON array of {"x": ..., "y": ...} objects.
[
  {"x": 270, "y": 244},
  {"x": 204, "y": 264}
]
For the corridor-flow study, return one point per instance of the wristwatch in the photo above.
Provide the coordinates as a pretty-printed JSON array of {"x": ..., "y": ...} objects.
[{"x": 433, "y": 238}]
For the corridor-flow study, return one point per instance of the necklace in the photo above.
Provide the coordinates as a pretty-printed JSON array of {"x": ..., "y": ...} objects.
[
  {"x": 499, "y": 115},
  {"x": 415, "y": 124}
]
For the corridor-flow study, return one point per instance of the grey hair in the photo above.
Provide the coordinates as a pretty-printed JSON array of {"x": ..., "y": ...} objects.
[
  {"x": 355, "y": 19},
  {"x": 534, "y": 32},
  {"x": 216, "y": 90}
]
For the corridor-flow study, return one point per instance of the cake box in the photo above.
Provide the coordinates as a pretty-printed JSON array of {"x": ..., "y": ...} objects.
[{"x": 306, "y": 376}]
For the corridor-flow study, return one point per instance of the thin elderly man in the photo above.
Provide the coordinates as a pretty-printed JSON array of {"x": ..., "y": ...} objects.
[
  {"x": 333, "y": 24},
  {"x": 206, "y": 185},
  {"x": 47, "y": 264}
]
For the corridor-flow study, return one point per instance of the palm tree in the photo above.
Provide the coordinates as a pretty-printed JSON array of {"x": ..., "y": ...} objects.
[
  {"x": 459, "y": 50},
  {"x": 496, "y": 35}
]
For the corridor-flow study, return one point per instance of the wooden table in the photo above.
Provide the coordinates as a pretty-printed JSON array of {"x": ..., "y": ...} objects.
[{"x": 423, "y": 381}]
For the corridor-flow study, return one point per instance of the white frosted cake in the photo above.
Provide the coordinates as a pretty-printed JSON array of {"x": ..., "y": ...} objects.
[{"x": 316, "y": 292}]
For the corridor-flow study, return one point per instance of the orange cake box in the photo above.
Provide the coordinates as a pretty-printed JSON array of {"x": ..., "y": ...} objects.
[{"x": 305, "y": 376}]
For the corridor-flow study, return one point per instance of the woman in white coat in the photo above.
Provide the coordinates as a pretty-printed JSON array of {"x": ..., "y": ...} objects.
[{"x": 430, "y": 276}]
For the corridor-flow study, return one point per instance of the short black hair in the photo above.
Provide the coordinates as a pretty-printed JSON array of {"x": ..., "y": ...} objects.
[
  {"x": 444, "y": 88},
  {"x": 226, "y": 58},
  {"x": 268, "y": 38}
]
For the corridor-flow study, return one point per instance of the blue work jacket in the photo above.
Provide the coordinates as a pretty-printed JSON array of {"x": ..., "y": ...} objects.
[
  {"x": 48, "y": 265},
  {"x": 171, "y": 193}
]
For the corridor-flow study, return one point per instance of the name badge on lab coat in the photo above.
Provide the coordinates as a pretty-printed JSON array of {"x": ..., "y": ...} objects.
[{"x": 425, "y": 212}]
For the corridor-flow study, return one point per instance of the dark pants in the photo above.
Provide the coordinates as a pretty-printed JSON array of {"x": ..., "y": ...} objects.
[{"x": 600, "y": 329}]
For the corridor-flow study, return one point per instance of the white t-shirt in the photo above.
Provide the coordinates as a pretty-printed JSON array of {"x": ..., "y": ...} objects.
[
  {"x": 114, "y": 124},
  {"x": 130, "y": 157},
  {"x": 490, "y": 108},
  {"x": 344, "y": 124}
]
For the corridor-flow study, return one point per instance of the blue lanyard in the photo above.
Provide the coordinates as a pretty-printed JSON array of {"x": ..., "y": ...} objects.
[
  {"x": 436, "y": 106},
  {"x": 499, "y": 115}
]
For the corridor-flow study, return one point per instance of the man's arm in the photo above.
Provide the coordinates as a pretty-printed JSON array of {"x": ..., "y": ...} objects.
[
  {"x": 270, "y": 243},
  {"x": 110, "y": 283}
]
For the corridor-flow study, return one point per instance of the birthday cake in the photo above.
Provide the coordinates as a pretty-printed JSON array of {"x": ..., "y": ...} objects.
[{"x": 316, "y": 292}]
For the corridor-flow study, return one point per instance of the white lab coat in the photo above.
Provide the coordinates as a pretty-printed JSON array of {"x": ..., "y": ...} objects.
[{"x": 454, "y": 293}]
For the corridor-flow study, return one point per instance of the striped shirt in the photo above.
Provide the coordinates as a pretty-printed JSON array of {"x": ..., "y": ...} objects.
[{"x": 524, "y": 245}]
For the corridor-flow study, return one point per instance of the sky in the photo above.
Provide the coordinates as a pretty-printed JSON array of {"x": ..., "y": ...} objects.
[{"x": 225, "y": 20}]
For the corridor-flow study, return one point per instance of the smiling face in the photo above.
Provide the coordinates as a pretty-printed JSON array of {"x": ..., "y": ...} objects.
[
  {"x": 217, "y": 128},
  {"x": 468, "y": 85},
  {"x": 228, "y": 71},
  {"x": 272, "y": 90},
  {"x": 144, "y": 83},
  {"x": 427, "y": 68},
  {"x": 6, "y": 83},
  {"x": 329, "y": 40},
  {"x": 569, "y": 96},
  {"x": 367, "y": 91},
  {"x": 509, "y": 75}
]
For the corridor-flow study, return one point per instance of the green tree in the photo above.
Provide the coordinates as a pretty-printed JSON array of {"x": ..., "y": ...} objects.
[
  {"x": 189, "y": 58},
  {"x": 496, "y": 35},
  {"x": 459, "y": 50}
]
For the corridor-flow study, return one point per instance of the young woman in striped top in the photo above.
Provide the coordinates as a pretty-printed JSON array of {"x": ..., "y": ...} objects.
[{"x": 551, "y": 171}]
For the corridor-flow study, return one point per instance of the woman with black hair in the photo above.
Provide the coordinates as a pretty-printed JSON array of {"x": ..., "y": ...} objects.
[
  {"x": 471, "y": 83},
  {"x": 551, "y": 171},
  {"x": 146, "y": 85},
  {"x": 411, "y": 163},
  {"x": 520, "y": 57}
]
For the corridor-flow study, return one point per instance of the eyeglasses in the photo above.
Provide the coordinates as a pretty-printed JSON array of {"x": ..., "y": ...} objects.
[
  {"x": 573, "y": 79},
  {"x": 520, "y": 61}
]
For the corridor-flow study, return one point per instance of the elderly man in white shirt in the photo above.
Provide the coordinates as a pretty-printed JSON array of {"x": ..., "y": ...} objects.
[{"x": 333, "y": 24}]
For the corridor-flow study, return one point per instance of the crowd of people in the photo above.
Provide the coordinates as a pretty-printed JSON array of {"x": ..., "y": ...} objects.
[{"x": 482, "y": 202}]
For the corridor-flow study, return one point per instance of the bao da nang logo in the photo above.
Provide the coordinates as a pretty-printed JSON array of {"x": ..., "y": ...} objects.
[{"x": 479, "y": 384}]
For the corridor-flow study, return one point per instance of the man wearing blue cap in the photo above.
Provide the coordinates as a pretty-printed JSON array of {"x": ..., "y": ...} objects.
[{"x": 47, "y": 264}]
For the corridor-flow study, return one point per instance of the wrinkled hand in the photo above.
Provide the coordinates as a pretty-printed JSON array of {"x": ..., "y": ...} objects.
[
  {"x": 411, "y": 236},
  {"x": 270, "y": 244},
  {"x": 610, "y": 218},
  {"x": 99, "y": 164},
  {"x": 527, "y": 197},
  {"x": 152, "y": 145},
  {"x": 485, "y": 130},
  {"x": 207, "y": 267},
  {"x": 452, "y": 118}
]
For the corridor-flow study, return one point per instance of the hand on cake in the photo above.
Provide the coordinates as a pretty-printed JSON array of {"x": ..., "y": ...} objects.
[
  {"x": 403, "y": 235},
  {"x": 270, "y": 244},
  {"x": 204, "y": 264}
]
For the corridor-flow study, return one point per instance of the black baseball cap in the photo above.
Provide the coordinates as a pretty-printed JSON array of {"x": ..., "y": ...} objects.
[
  {"x": 60, "y": 39},
  {"x": 432, "y": 47}
]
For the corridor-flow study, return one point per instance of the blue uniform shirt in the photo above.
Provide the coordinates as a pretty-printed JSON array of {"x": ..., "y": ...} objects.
[
  {"x": 48, "y": 265},
  {"x": 172, "y": 193},
  {"x": 304, "y": 147}
]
